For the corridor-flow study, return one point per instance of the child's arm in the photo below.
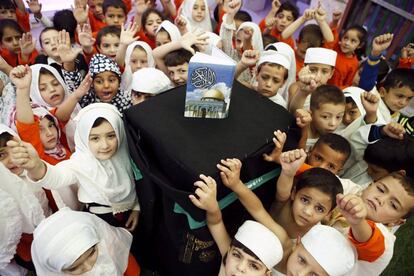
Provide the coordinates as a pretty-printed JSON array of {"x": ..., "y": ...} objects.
[
  {"x": 36, "y": 8},
  {"x": 290, "y": 161},
  {"x": 279, "y": 141},
  {"x": 206, "y": 199},
  {"x": 169, "y": 8},
  {"x": 228, "y": 27},
  {"x": 320, "y": 17},
  {"x": 20, "y": 5},
  {"x": 86, "y": 39},
  {"x": 65, "y": 109},
  {"x": 270, "y": 17},
  {"x": 306, "y": 85},
  {"x": 141, "y": 7},
  {"x": 370, "y": 102},
  {"x": 303, "y": 120},
  {"x": 81, "y": 12},
  {"x": 127, "y": 37},
  {"x": 21, "y": 76},
  {"x": 4, "y": 66},
  {"x": 291, "y": 29},
  {"x": 66, "y": 52},
  {"x": 249, "y": 58},
  {"x": 230, "y": 175},
  {"x": 28, "y": 46}
]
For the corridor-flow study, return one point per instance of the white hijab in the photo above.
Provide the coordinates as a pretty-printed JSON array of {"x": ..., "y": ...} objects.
[
  {"x": 285, "y": 49},
  {"x": 171, "y": 29},
  {"x": 257, "y": 41},
  {"x": 186, "y": 11},
  {"x": 213, "y": 40},
  {"x": 110, "y": 180},
  {"x": 63, "y": 237},
  {"x": 127, "y": 75}
]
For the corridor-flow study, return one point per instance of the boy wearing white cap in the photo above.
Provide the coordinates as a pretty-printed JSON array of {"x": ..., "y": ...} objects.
[
  {"x": 272, "y": 69},
  {"x": 319, "y": 68},
  {"x": 148, "y": 82},
  {"x": 253, "y": 251}
]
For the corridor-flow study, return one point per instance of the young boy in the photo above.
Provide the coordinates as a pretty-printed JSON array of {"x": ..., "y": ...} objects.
[
  {"x": 271, "y": 73},
  {"x": 148, "y": 82},
  {"x": 319, "y": 68},
  {"x": 278, "y": 19},
  {"x": 15, "y": 10},
  {"x": 115, "y": 12}
]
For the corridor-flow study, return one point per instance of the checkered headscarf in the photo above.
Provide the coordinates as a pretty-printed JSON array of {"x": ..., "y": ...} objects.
[{"x": 101, "y": 63}]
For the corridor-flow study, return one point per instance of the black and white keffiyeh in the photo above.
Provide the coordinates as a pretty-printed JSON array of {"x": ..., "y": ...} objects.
[{"x": 101, "y": 63}]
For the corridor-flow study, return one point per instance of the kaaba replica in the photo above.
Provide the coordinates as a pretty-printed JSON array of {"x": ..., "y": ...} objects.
[{"x": 171, "y": 152}]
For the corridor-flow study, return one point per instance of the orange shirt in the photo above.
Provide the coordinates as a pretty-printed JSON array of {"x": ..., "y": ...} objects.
[
  {"x": 278, "y": 35},
  {"x": 345, "y": 69},
  {"x": 23, "y": 20},
  {"x": 13, "y": 60},
  {"x": 96, "y": 23},
  {"x": 406, "y": 63},
  {"x": 145, "y": 38},
  {"x": 133, "y": 268}
]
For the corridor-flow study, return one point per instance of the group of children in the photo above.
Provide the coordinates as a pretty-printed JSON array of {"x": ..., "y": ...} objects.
[{"x": 69, "y": 188}]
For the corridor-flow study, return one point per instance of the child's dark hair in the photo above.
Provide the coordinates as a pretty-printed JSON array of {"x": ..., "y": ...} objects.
[
  {"x": 99, "y": 121},
  {"x": 285, "y": 76},
  {"x": 239, "y": 245},
  {"x": 351, "y": 101},
  {"x": 118, "y": 4},
  {"x": 4, "y": 138},
  {"x": 362, "y": 36},
  {"x": 243, "y": 16},
  {"x": 408, "y": 184},
  {"x": 11, "y": 24},
  {"x": 335, "y": 142},
  {"x": 177, "y": 57},
  {"x": 7, "y": 5},
  {"x": 322, "y": 180},
  {"x": 147, "y": 13},
  {"x": 44, "y": 71},
  {"x": 51, "y": 119},
  {"x": 392, "y": 154},
  {"x": 326, "y": 94},
  {"x": 287, "y": 6},
  {"x": 399, "y": 78},
  {"x": 44, "y": 31},
  {"x": 65, "y": 20},
  {"x": 312, "y": 35},
  {"x": 268, "y": 40},
  {"x": 113, "y": 30}
]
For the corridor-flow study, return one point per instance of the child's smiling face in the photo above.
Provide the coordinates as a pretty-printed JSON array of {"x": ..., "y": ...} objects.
[
  {"x": 103, "y": 142},
  {"x": 106, "y": 85}
]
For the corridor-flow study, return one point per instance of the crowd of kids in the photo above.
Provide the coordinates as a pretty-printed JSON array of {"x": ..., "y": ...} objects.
[{"x": 68, "y": 188}]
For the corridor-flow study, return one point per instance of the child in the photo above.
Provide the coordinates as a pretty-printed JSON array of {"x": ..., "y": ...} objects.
[
  {"x": 327, "y": 107},
  {"x": 151, "y": 20},
  {"x": 106, "y": 84},
  {"x": 337, "y": 256},
  {"x": 108, "y": 40},
  {"x": 115, "y": 12},
  {"x": 76, "y": 243},
  {"x": 148, "y": 82},
  {"x": 254, "y": 250},
  {"x": 100, "y": 165},
  {"x": 96, "y": 14},
  {"x": 278, "y": 19},
  {"x": 138, "y": 55},
  {"x": 15, "y": 10},
  {"x": 319, "y": 68},
  {"x": 16, "y": 47},
  {"x": 271, "y": 73},
  {"x": 197, "y": 14},
  {"x": 166, "y": 32},
  {"x": 353, "y": 39}
]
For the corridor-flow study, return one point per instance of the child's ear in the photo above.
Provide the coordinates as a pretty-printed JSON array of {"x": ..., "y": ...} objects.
[
  {"x": 398, "y": 222},
  {"x": 293, "y": 194},
  {"x": 382, "y": 91},
  {"x": 332, "y": 72}
]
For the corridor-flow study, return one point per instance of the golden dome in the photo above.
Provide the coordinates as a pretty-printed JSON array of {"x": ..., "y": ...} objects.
[{"x": 213, "y": 94}]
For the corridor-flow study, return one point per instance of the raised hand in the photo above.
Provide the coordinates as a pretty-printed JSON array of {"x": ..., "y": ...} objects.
[
  {"x": 128, "y": 33},
  {"x": 394, "y": 130},
  {"x": 230, "y": 172},
  {"x": 132, "y": 221},
  {"x": 336, "y": 15},
  {"x": 381, "y": 43},
  {"x": 191, "y": 38},
  {"x": 303, "y": 118},
  {"x": 233, "y": 7},
  {"x": 250, "y": 57},
  {"x": 279, "y": 141},
  {"x": 370, "y": 102},
  {"x": 84, "y": 87},
  {"x": 291, "y": 161},
  {"x": 276, "y": 5},
  {"x": 85, "y": 35},
  {"x": 309, "y": 14},
  {"x": 21, "y": 76},
  {"x": 65, "y": 50},
  {"x": 80, "y": 11},
  {"x": 142, "y": 6},
  {"x": 34, "y": 6},
  {"x": 206, "y": 194},
  {"x": 320, "y": 13},
  {"x": 307, "y": 80},
  {"x": 23, "y": 154},
  {"x": 27, "y": 44},
  {"x": 352, "y": 208},
  {"x": 408, "y": 51}
]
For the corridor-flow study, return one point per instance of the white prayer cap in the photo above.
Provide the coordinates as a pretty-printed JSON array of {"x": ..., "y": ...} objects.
[
  {"x": 150, "y": 80},
  {"x": 274, "y": 57},
  {"x": 261, "y": 241},
  {"x": 320, "y": 55},
  {"x": 330, "y": 248}
]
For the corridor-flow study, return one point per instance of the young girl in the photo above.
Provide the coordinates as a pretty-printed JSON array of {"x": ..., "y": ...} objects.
[
  {"x": 106, "y": 84},
  {"x": 16, "y": 47},
  {"x": 150, "y": 21},
  {"x": 197, "y": 14},
  {"x": 78, "y": 243},
  {"x": 352, "y": 42},
  {"x": 138, "y": 55},
  {"x": 100, "y": 165},
  {"x": 166, "y": 32}
]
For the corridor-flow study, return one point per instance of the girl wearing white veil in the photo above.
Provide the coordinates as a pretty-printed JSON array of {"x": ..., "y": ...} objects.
[{"x": 197, "y": 14}]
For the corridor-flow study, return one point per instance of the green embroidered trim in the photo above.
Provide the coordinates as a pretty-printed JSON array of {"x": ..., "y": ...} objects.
[
  {"x": 227, "y": 200},
  {"x": 135, "y": 170}
]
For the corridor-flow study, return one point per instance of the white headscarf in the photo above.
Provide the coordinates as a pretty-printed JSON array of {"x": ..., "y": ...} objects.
[
  {"x": 213, "y": 40},
  {"x": 34, "y": 86},
  {"x": 63, "y": 237},
  {"x": 127, "y": 75},
  {"x": 285, "y": 49},
  {"x": 257, "y": 41},
  {"x": 171, "y": 29},
  {"x": 112, "y": 178},
  {"x": 186, "y": 11}
]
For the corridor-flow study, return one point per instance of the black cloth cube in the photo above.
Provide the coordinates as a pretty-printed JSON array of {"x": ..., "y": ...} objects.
[{"x": 171, "y": 151}]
